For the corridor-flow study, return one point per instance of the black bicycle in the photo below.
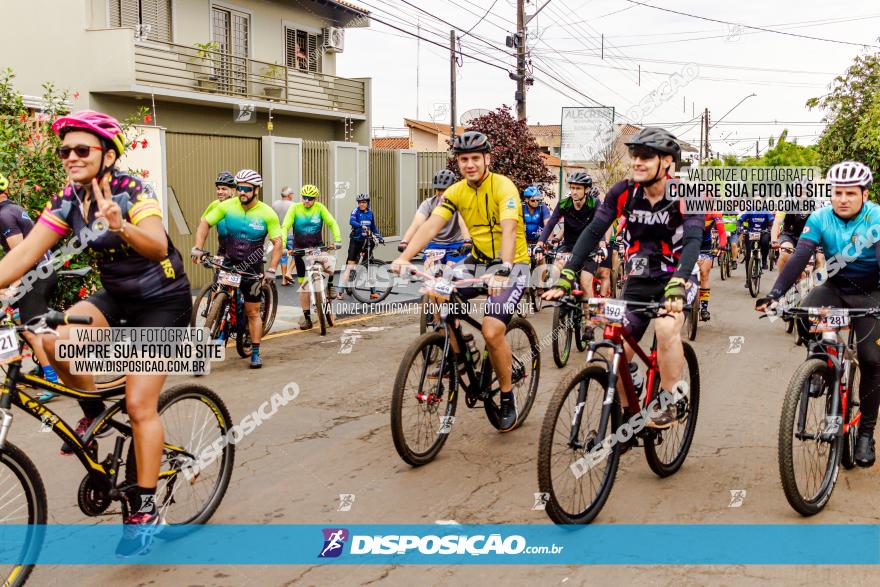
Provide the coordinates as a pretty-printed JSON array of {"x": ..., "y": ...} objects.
[
  {"x": 425, "y": 393},
  {"x": 753, "y": 263},
  {"x": 820, "y": 414},
  {"x": 189, "y": 491},
  {"x": 226, "y": 317},
  {"x": 373, "y": 279},
  {"x": 268, "y": 303}
]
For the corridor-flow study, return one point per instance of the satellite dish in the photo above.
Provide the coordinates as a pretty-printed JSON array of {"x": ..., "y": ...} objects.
[{"x": 468, "y": 116}]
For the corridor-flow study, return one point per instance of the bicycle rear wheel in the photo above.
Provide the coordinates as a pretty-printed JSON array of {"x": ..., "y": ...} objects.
[
  {"x": 23, "y": 506},
  {"x": 562, "y": 335},
  {"x": 192, "y": 481},
  {"x": 667, "y": 449},
  {"x": 372, "y": 282},
  {"x": 526, "y": 371},
  {"x": 269, "y": 306},
  {"x": 577, "y": 481},
  {"x": 423, "y": 401},
  {"x": 808, "y": 466}
]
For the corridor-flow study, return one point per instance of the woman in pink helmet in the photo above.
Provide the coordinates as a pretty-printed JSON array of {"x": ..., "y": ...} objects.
[{"x": 143, "y": 277}]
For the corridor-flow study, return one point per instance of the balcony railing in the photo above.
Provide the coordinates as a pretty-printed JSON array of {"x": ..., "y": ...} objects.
[{"x": 179, "y": 67}]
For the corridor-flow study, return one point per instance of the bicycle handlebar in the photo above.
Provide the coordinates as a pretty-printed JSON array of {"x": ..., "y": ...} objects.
[{"x": 209, "y": 262}]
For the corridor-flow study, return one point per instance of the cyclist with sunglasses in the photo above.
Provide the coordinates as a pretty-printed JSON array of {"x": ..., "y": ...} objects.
[
  {"x": 535, "y": 213},
  {"x": 489, "y": 204},
  {"x": 307, "y": 218},
  {"x": 15, "y": 225},
  {"x": 225, "y": 189},
  {"x": 662, "y": 245},
  {"x": 143, "y": 280},
  {"x": 249, "y": 221}
]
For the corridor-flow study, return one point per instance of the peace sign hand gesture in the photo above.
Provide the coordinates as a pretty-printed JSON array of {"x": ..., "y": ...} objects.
[{"x": 107, "y": 208}]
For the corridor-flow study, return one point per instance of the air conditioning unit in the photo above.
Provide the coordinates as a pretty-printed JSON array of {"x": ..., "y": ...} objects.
[{"x": 334, "y": 39}]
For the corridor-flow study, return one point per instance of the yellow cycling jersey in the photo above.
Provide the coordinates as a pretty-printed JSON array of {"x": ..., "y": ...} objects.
[{"x": 483, "y": 208}]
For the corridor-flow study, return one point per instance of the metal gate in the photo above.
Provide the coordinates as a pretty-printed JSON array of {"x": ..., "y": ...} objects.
[{"x": 193, "y": 162}]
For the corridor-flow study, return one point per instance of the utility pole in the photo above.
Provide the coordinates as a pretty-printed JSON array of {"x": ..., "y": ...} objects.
[
  {"x": 452, "y": 72},
  {"x": 520, "y": 95},
  {"x": 702, "y": 135},
  {"x": 706, "y": 121},
  {"x": 757, "y": 153},
  {"x": 418, "y": 60}
]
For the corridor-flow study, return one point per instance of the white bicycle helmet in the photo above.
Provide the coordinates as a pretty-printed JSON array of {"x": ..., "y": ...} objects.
[
  {"x": 849, "y": 173},
  {"x": 249, "y": 176}
]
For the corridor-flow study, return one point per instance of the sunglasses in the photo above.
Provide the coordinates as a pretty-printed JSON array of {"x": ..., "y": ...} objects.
[
  {"x": 244, "y": 189},
  {"x": 308, "y": 199},
  {"x": 642, "y": 152},
  {"x": 82, "y": 151}
]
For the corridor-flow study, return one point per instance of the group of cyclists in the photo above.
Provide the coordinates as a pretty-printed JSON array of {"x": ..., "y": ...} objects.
[{"x": 477, "y": 221}]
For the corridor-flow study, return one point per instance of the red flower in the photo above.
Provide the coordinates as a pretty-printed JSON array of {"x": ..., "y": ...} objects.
[
  {"x": 144, "y": 144},
  {"x": 37, "y": 188},
  {"x": 148, "y": 119},
  {"x": 66, "y": 264},
  {"x": 145, "y": 174},
  {"x": 23, "y": 117},
  {"x": 82, "y": 292},
  {"x": 76, "y": 95},
  {"x": 134, "y": 145}
]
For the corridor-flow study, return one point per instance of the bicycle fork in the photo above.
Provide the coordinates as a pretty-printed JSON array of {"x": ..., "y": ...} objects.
[{"x": 607, "y": 402}]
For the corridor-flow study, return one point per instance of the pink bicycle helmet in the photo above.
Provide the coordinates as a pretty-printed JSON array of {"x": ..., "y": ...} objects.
[{"x": 97, "y": 123}]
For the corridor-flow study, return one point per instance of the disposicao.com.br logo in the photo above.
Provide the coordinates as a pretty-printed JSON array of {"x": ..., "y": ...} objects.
[{"x": 449, "y": 544}]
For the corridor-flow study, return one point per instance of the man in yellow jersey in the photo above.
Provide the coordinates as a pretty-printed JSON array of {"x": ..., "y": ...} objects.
[{"x": 490, "y": 206}]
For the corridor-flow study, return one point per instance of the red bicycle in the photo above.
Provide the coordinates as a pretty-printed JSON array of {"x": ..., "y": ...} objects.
[{"x": 585, "y": 430}]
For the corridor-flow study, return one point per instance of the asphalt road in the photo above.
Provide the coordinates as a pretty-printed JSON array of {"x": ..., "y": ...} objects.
[{"x": 334, "y": 439}]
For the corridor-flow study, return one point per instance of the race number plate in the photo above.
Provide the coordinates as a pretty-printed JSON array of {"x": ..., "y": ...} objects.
[
  {"x": 434, "y": 254},
  {"x": 442, "y": 287},
  {"x": 754, "y": 236},
  {"x": 8, "y": 344},
  {"x": 230, "y": 279},
  {"x": 832, "y": 321},
  {"x": 614, "y": 311}
]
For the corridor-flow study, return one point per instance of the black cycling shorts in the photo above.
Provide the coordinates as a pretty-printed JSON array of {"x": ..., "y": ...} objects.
[
  {"x": 354, "y": 249},
  {"x": 640, "y": 289},
  {"x": 251, "y": 284},
  {"x": 36, "y": 302},
  {"x": 167, "y": 312},
  {"x": 788, "y": 238}
]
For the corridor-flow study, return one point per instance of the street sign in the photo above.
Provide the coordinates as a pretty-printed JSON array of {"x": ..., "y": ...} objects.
[{"x": 586, "y": 131}]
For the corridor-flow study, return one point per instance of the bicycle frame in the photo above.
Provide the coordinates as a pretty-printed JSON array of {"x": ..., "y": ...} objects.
[
  {"x": 835, "y": 354},
  {"x": 615, "y": 336},
  {"x": 476, "y": 382},
  {"x": 11, "y": 395}
]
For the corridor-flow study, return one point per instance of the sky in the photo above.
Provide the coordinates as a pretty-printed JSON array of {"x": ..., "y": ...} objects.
[{"x": 703, "y": 64}]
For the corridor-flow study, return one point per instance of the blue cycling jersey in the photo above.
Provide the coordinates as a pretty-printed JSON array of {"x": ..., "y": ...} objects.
[
  {"x": 850, "y": 241},
  {"x": 757, "y": 220},
  {"x": 535, "y": 221}
]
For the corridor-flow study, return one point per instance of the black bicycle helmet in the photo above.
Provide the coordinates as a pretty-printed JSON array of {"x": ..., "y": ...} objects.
[
  {"x": 658, "y": 139},
  {"x": 471, "y": 142},
  {"x": 443, "y": 179},
  {"x": 225, "y": 178},
  {"x": 581, "y": 178}
]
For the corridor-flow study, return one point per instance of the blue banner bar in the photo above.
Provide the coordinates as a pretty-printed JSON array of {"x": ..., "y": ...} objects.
[{"x": 697, "y": 544}]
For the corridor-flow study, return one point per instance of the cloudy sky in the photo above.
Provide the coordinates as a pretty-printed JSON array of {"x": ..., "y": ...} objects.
[{"x": 712, "y": 64}]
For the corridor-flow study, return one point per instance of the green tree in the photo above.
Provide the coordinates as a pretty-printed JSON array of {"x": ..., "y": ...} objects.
[
  {"x": 852, "y": 114},
  {"x": 514, "y": 150}
]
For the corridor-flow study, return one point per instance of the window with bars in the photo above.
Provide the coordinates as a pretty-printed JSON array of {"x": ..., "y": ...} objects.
[
  {"x": 151, "y": 19},
  {"x": 302, "y": 50}
]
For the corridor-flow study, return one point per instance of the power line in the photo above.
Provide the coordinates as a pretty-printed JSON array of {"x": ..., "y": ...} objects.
[
  {"x": 481, "y": 18},
  {"x": 756, "y": 28}
]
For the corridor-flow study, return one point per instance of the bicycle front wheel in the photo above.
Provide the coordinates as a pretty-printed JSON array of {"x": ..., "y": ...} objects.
[
  {"x": 423, "y": 400},
  {"x": 576, "y": 473},
  {"x": 372, "y": 282},
  {"x": 808, "y": 464},
  {"x": 667, "y": 449},
  {"x": 23, "y": 506},
  {"x": 563, "y": 331},
  {"x": 195, "y": 474},
  {"x": 753, "y": 274}
]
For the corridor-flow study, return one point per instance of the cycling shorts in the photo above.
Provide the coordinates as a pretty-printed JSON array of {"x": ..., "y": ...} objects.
[
  {"x": 789, "y": 238},
  {"x": 167, "y": 312},
  {"x": 503, "y": 306},
  {"x": 450, "y": 249},
  {"x": 354, "y": 250}
]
